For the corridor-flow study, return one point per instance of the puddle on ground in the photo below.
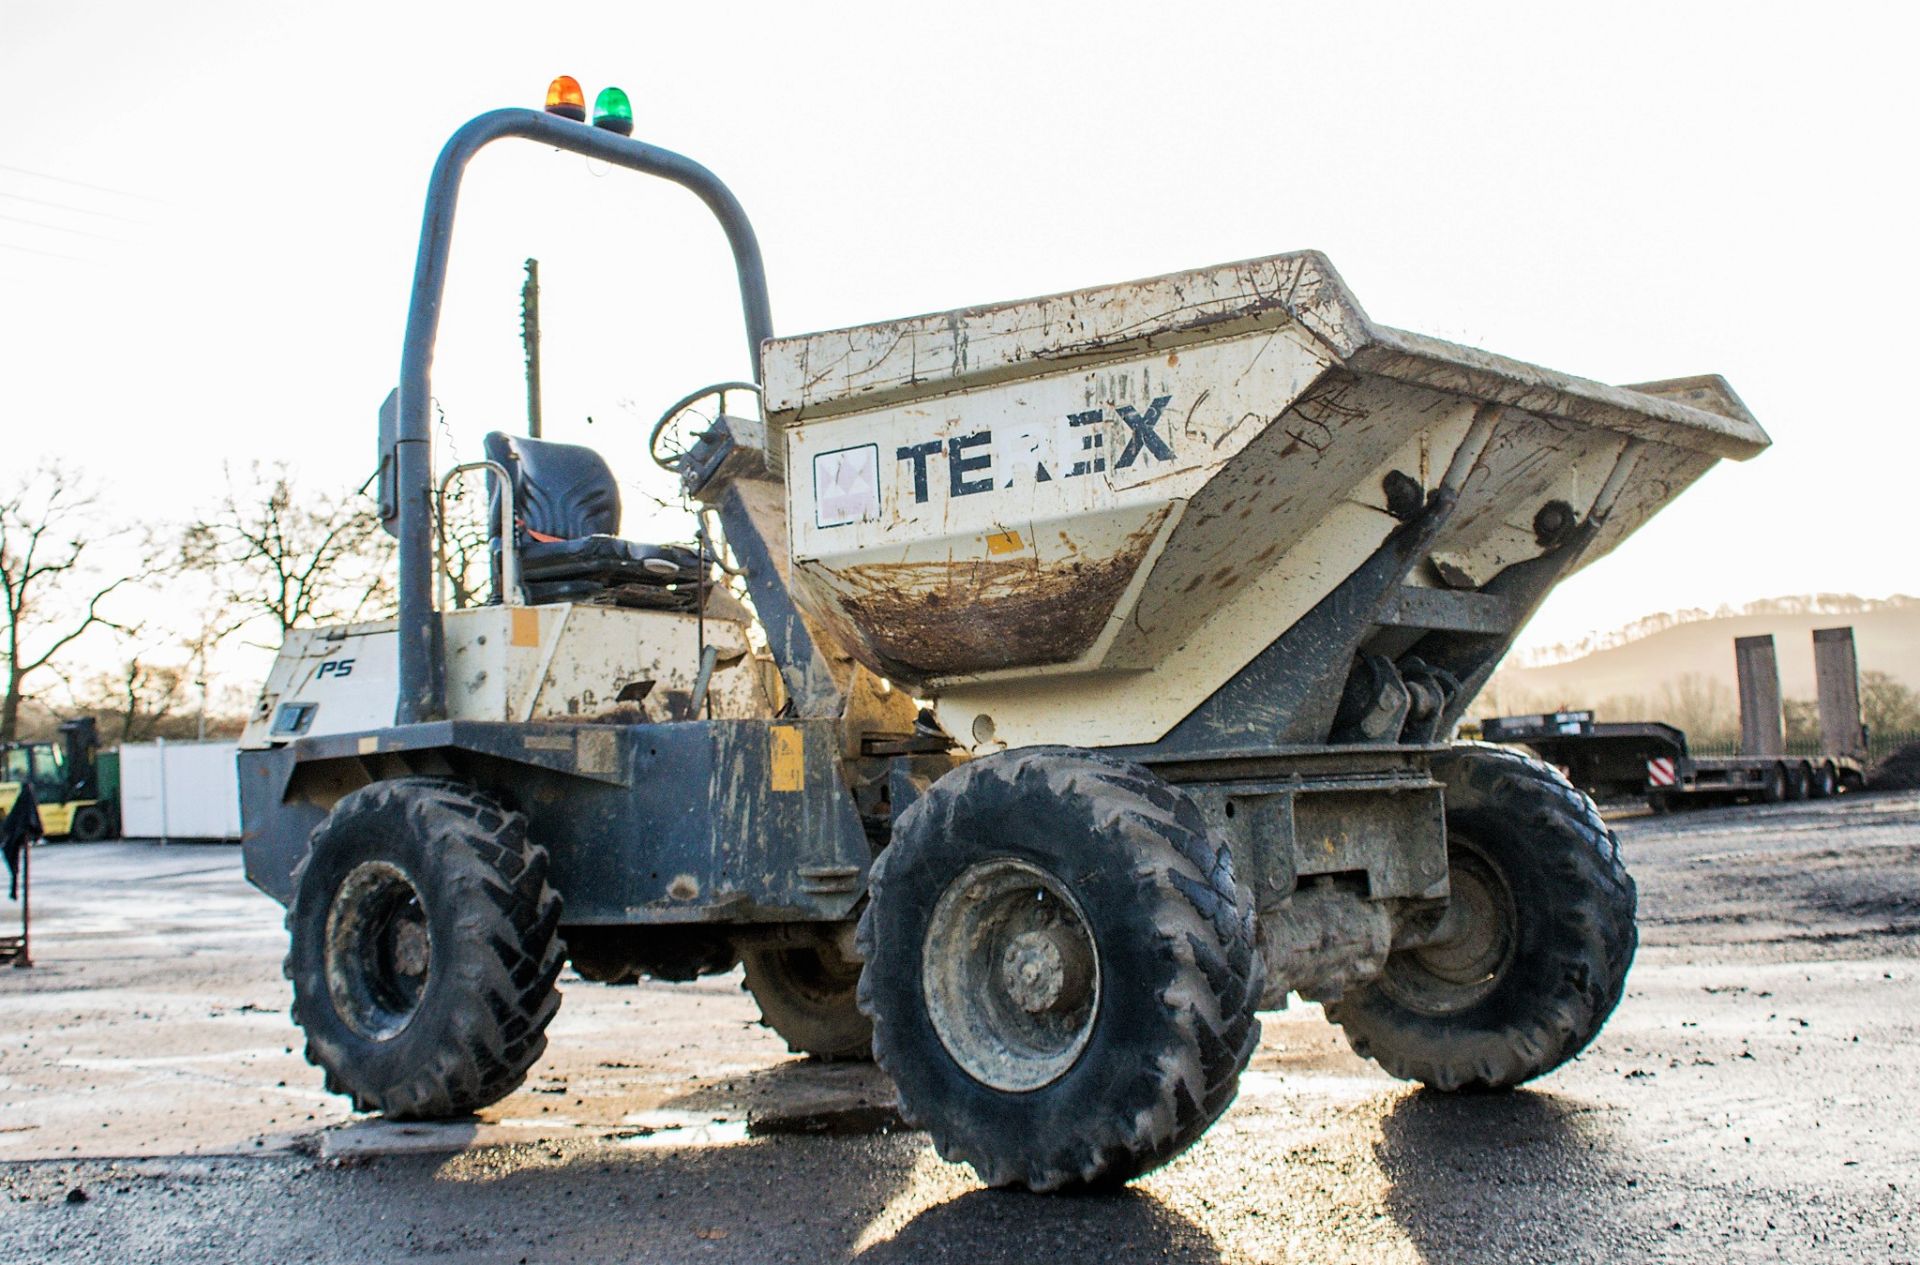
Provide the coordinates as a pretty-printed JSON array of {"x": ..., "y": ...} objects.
[{"x": 666, "y": 1128}]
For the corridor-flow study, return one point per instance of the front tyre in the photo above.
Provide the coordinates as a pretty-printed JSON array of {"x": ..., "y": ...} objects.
[
  {"x": 91, "y": 824},
  {"x": 1060, "y": 969},
  {"x": 1532, "y": 956},
  {"x": 423, "y": 949}
]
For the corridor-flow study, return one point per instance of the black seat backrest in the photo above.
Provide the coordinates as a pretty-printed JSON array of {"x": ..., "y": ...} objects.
[{"x": 560, "y": 491}]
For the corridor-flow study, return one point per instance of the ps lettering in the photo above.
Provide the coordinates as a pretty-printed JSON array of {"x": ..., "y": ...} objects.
[{"x": 335, "y": 668}]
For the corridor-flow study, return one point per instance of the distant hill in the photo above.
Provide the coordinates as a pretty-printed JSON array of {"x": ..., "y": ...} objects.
[{"x": 1652, "y": 658}]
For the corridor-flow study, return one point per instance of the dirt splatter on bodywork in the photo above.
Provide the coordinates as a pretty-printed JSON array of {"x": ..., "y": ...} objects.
[{"x": 982, "y": 614}]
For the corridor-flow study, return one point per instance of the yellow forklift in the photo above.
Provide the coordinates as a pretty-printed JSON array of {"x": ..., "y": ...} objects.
[{"x": 78, "y": 788}]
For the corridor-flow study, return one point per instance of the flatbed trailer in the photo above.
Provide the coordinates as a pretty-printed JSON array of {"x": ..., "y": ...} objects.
[{"x": 1619, "y": 759}]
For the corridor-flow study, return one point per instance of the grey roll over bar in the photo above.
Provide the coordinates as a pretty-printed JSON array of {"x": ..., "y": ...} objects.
[{"x": 422, "y": 692}]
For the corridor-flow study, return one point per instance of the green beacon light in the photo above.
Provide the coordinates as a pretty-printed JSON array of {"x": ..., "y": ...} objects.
[{"x": 613, "y": 111}]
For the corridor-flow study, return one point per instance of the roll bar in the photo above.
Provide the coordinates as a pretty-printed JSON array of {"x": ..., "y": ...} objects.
[{"x": 422, "y": 688}]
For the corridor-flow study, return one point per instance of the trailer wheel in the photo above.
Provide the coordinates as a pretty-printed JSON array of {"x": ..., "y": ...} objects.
[
  {"x": 90, "y": 824},
  {"x": 1535, "y": 947},
  {"x": 1060, "y": 968},
  {"x": 423, "y": 949},
  {"x": 1775, "y": 789},
  {"x": 1826, "y": 780},
  {"x": 1799, "y": 782},
  {"x": 808, "y": 995}
]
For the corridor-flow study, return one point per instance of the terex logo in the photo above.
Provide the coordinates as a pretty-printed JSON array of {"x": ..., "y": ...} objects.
[{"x": 970, "y": 458}]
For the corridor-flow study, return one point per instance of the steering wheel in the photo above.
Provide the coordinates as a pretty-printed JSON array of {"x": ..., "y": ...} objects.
[{"x": 671, "y": 460}]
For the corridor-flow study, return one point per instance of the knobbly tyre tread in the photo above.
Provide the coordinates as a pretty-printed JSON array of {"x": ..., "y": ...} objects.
[
  {"x": 482, "y": 1024},
  {"x": 827, "y": 1029},
  {"x": 1156, "y": 1093},
  {"x": 1581, "y": 957}
]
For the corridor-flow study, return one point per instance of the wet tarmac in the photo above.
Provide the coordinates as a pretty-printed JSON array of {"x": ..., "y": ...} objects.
[{"x": 1753, "y": 1099}]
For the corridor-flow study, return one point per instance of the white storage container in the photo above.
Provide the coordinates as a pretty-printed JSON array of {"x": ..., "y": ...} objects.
[{"x": 179, "y": 790}]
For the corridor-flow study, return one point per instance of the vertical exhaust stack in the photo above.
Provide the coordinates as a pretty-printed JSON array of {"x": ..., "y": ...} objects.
[
  {"x": 1836, "y": 676},
  {"x": 1763, "y": 727}
]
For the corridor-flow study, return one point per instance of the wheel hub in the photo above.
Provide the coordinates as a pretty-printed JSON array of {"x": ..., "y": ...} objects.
[
  {"x": 1010, "y": 975},
  {"x": 379, "y": 950},
  {"x": 410, "y": 948},
  {"x": 1472, "y": 947},
  {"x": 1047, "y": 970},
  {"x": 1471, "y": 939}
]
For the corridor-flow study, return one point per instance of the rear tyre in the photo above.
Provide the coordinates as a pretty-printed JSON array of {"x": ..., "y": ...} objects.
[
  {"x": 1826, "y": 781},
  {"x": 809, "y": 995},
  {"x": 423, "y": 949},
  {"x": 1060, "y": 968},
  {"x": 1535, "y": 947},
  {"x": 1799, "y": 782},
  {"x": 1774, "y": 789},
  {"x": 90, "y": 824}
]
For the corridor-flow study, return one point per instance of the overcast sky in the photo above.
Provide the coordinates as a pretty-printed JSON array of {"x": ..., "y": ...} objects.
[{"x": 208, "y": 215}]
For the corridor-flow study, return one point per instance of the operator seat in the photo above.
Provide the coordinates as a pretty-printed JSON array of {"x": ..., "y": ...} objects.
[{"x": 566, "y": 509}]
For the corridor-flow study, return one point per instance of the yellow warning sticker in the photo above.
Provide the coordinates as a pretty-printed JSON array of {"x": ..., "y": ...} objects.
[
  {"x": 787, "y": 759},
  {"x": 524, "y": 628},
  {"x": 1004, "y": 542}
]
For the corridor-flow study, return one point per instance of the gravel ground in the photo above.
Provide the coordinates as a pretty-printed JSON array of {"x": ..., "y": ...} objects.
[{"x": 1751, "y": 1100}]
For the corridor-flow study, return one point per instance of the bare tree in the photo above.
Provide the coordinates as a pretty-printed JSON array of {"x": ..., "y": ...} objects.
[
  {"x": 287, "y": 556},
  {"x": 1888, "y": 705},
  {"x": 50, "y": 528},
  {"x": 161, "y": 685},
  {"x": 1802, "y": 717},
  {"x": 135, "y": 701},
  {"x": 1700, "y": 705},
  {"x": 469, "y": 552}
]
